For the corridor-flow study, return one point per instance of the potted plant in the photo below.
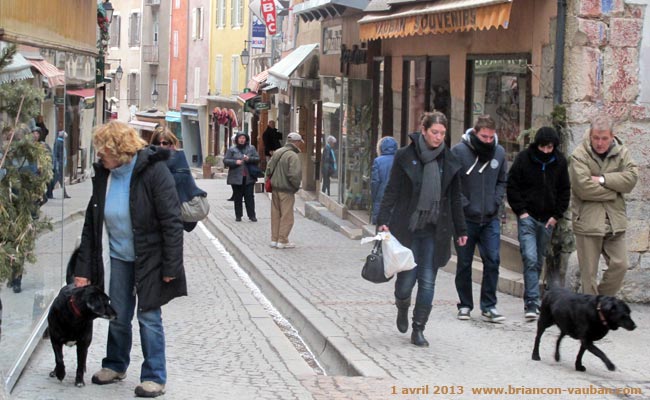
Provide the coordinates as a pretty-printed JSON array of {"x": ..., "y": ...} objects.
[{"x": 207, "y": 166}]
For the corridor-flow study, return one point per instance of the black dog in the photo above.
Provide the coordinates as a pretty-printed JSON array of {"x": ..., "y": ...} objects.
[
  {"x": 70, "y": 322},
  {"x": 585, "y": 317}
]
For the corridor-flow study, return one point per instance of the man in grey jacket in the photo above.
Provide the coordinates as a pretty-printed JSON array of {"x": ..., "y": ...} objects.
[
  {"x": 285, "y": 171},
  {"x": 484, "y": 181}
]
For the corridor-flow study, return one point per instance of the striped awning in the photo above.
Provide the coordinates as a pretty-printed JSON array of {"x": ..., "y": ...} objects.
[
  {"x": 444, "y": 16},
  {"x": 19, "y": 69},
  {"x": 55, "y": 77},
  {"x": 258, "y": 80}
]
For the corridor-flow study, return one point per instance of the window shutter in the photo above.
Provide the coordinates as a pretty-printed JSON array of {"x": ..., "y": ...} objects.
[
  {"x": 174, "y": 93},
  {"x": 197, "y": 83},
  {"x": 137, "y": 29},
  {"x": 234, "y": 83},
  {"x": 201, "y": 23},
  {"x": 175, "y": 44},
  {"x": 218, "y": 81},
  {"x": 131, "y": 30}
]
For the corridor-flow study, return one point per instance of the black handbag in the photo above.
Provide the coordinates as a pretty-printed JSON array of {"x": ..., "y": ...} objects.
[{"x": 373, "y": 269}]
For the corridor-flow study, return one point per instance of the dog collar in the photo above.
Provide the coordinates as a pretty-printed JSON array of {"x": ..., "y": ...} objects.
[
  {"x": 601, "y": 315},
  {"x": 75, "y": 309}
]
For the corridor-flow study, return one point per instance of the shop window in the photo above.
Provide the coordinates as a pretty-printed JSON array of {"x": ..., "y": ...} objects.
[
  {"x": 331, "y": 93},
  {"x": 500, "y": 87}
]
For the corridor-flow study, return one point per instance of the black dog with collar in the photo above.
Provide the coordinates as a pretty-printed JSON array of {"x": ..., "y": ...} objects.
[
  {"x": 584, "y": 317},
  {"x": 70, "y": 322}
]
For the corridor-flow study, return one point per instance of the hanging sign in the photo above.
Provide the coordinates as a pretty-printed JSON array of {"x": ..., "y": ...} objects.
[{"x": 269, "y": 16}]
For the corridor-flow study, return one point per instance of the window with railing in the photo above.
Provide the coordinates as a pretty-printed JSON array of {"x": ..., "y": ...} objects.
[
  {"x": 114, "y": 31},
  {"x": 135, "y": 20}
]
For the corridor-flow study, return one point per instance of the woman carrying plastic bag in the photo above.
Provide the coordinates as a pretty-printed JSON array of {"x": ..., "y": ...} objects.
[{"x": 422, "y": 209}]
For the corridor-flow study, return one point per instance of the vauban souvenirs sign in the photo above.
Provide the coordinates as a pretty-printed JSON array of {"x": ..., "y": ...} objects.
[{"x": 409, "y": 24}]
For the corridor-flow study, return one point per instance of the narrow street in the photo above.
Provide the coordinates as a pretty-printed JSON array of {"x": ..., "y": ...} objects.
[{"x": 222, "y": 343}]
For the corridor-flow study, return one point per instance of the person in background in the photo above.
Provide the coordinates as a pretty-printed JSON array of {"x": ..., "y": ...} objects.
[
  {"x": 380, "y": 172},
  {"x": 422, "y": 209},
  {"x": 59, "y": 162},
  {"x": 285, "y": 171},
  {"x": 134, "y": 198},
  {"x": 177, "y": 163},
  {"x": 44, "y": 131},
  {"x": 602, "y": 172},
  {"x": 272, "y": 140},
  {"x": 484, "y": 186},
  {"x": 538, "y": 192},
  {"x": 328, "y": 164},
  {"x": 238, "y": 159}
]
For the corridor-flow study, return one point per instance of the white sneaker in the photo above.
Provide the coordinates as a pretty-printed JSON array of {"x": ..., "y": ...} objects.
[
  {"x": 288, "y": 245},
  {"x": 273, "y": 244}
]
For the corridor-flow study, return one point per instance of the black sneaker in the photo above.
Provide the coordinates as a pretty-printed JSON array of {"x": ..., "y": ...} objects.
[
  {"x": 532, "y": 312},
  {"x": 492, "y": 315},
  {"x": 238, "y": 219}
]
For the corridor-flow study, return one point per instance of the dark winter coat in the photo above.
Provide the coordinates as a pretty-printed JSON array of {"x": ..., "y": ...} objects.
[
  {"x": 237, "y": 173},
  {"x": 542, "y": 191},
  {"x": 271, "y": 138},
  {"x": 185, "y": 185},
  {"x": 402, "y": 194},
  {"x": 380, "y": 173},
  {"x": 328, "y": 162},
  {"x": 484, "y": 186},
  {"x": 157, "y": 230}
]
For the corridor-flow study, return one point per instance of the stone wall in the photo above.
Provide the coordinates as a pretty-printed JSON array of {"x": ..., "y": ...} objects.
[{"x": 603, "y": 73}]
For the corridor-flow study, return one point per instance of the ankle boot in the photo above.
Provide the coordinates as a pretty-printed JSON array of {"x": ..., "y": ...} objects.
[
  {"x": 420, "y": 318},
  {"x": 403, "y": 314}
]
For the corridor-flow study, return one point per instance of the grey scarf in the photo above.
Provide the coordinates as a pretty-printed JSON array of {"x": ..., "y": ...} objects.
[{"x": 428, "y": 206}]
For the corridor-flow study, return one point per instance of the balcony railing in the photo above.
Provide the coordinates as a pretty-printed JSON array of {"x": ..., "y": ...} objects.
[
  {"x": 151, "y": 2},
  {"x": 150, "y": 53}
]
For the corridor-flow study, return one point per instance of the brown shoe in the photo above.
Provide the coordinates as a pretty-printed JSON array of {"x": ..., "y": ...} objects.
[
  {"x": 149, "y": 389},
  {"x": 106, "y": 375}
]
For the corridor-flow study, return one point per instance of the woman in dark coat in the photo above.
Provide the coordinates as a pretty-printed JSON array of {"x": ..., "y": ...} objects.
[
  {"x": 134, "y": 198},
  {"x": 422, "y": 208},
  {"x": 242, "y": 161},
  {"x": 380, "y": 173}
]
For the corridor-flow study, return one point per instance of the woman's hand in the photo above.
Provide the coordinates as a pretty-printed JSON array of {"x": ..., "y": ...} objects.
[
  {"x": 80, "y": 282},
  {"x": 462, "y": 241},
  {"x": 383, "y": 228},
  {"x": 168, "y": 279}
]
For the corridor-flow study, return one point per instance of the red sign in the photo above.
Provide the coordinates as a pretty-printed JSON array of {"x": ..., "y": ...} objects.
[{"x": 269, "y": 16}]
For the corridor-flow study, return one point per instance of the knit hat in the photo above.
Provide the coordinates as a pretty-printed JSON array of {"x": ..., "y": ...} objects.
[{"x": 546, "y": 135}]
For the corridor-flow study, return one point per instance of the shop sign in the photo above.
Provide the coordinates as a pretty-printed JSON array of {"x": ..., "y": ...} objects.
[
  {"x": 258, "y": 34},
  {"x": 262, "y": 106},
  {"x": 332, "y": 36},
  {"x": 269, "y": 15},
  {"x": 355, "y": 55}
]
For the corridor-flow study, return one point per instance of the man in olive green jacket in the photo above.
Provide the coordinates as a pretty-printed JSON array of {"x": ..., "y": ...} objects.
[
  {"x": 601, "y": 171},
  {"x": 286, "y": 174}
]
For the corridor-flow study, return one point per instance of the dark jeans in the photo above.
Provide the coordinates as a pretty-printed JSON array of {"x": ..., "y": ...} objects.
[
  {"x": 488, "y": 238},
  {"x": 533, "y": 238},
  {"x": 247, "y": 192},
  {"x": 326, "y": 184},
  {"x": 424, "y": 273}
]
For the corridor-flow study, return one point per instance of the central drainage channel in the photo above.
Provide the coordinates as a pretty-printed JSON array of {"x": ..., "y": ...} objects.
[{"x": 285, "y": 326}]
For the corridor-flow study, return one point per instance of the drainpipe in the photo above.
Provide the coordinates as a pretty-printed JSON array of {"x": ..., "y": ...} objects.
[{"x": 559, "y": 51}]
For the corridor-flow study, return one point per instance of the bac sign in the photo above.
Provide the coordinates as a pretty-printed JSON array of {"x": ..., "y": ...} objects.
[{"x": 269, "y": 15}]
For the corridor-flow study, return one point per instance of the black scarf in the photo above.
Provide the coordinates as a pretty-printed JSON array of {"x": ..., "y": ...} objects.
[
  {"x": 484, "y": 151},
  {"x": 428, "y": 206}
]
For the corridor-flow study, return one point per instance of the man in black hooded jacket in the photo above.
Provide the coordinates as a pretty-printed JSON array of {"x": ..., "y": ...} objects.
[{"x": 538, "y": 192}]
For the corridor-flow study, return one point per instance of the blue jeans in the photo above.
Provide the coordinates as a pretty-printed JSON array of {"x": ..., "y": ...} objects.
[
  {"x": 488, "y": 238},
  {"x": 152, "y": 336},
  {"x": 533, "y": 238},
  {"x": 424, "y": 273}
]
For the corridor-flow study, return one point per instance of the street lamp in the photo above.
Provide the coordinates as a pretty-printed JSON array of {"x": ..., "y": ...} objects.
[
  {"x": 154, "y": 96},
  {"x": 245, "y": 56},
  {"x": 119, "y": 72},
  {"x": 108, "y": 7}
]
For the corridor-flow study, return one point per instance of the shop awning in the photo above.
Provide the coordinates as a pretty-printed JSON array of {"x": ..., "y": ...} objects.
[
  {"x": 143, "y": 125},
  {"x": 85, "y": 93},
  {"x": 55, "y": 77},
  {"x": 280, "y": 73},
  {"x": 244, "y": 97},
  {"x": 444, "y": 16},
  {"x": 173, "y": 116},
  {"x": 318, "y": 10},
  {"x": 258, "y": 80},
  {"x": 19, "y": 69}
]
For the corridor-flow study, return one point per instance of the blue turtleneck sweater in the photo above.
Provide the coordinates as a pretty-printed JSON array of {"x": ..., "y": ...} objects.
[{"x": 117, "y": 214}]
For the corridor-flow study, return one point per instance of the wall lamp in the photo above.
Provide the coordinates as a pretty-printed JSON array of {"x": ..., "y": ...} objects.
[
  {"x": 245, "y": 56},
  {"x": 108, "y": 7},
  {"x": 119, "y": 72}
]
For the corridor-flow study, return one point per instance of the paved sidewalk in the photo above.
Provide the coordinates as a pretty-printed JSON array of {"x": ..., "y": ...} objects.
[{"x": 217, "y": 348}]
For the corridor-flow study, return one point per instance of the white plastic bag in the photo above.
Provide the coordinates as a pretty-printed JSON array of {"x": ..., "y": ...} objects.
[{"x": 397, "y": 258}]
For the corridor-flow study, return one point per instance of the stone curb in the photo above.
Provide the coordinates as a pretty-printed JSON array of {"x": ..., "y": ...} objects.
[{"x": 328, "y": 342}]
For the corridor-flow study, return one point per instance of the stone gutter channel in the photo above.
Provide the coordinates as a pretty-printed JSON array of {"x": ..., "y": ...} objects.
[{"x": 330, "y": 347}]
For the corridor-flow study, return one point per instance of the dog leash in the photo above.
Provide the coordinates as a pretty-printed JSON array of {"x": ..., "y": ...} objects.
[
  {"x": 601, "y": 315},
  {"x": 77, "y": 312}
]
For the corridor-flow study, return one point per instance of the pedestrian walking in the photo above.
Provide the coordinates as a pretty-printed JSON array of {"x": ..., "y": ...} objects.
[
  {"x": 422, "y": 209},
  {"x": 328, "y": 164},
  {"x": 484, "y": 181},
  {"x": 272, "y": 140},
  {"x": 380, "y": 173},
  {"x": 134, "y": 198},
  {"x": 242, "y": 161},
  {"x": 601, "y": 171},
  {"x": 59, "y": 162},
  {"x": 286, "y": 175},
  {"x": 538, "y": 193},
  {"x": 177, "y": 163}
]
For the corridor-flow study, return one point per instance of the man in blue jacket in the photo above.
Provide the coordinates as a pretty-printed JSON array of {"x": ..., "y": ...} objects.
[{"x": 483, "y": 180}]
